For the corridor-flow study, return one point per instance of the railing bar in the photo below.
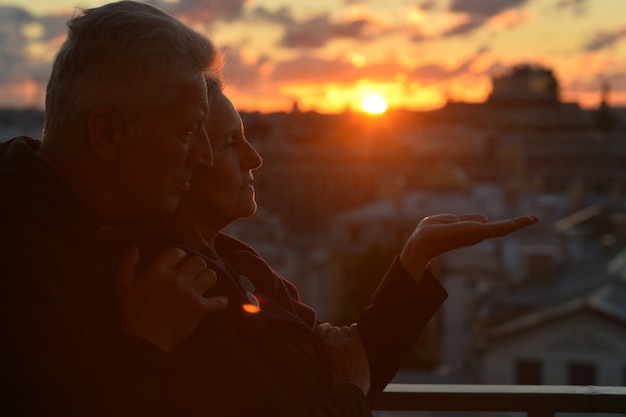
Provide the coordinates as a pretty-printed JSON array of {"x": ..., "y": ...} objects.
[
  {"x": 540, "y": 413},
  {"x": 535, "y": 400}
]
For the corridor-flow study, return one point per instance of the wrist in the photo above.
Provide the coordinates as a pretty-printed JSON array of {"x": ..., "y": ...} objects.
[{"x": 414, "y": 264}]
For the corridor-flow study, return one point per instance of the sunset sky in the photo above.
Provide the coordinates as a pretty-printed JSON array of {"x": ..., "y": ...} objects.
[{"x": 328, "y": 54}]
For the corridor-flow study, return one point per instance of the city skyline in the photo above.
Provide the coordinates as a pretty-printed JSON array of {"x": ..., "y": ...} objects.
[{"x": 329, "y": 54}]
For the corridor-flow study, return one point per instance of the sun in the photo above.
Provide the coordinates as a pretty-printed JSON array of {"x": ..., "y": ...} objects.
[{"x": 374, "y": 104}]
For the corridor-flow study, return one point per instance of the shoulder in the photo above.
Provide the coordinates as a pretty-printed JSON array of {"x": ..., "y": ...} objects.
[
  {"x": 18, "y": 149},
  {"x": 225, "y": 244}
]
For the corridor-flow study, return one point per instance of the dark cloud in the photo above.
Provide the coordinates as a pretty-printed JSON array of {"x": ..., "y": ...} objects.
[
  {"x": 15, "y": 15},
  {"x": 14, "y": 60},
  {"x": 434, "y": 73},
  {"x": 418, "y": 35},
  {"x": 54, "y": 26},
  {"x": 314, "y": 32},
  {"x": 479, "y": 12},
  {"x": 475, "y": 22},
  {"x": 204, "y": 11},
  {"x": 603, "y": 40},
  {"x": 577, "y": 5},
  {"x": 484, "y": 8},
  {"x": 281, "y": 16},
  {"x": 309, "y": 69},
  {"x": 428, "y": 5},
  {"x": 318, "y": 31}
]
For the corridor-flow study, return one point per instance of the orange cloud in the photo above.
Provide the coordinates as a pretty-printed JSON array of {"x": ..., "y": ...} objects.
[{"x": 509, "y": 19}]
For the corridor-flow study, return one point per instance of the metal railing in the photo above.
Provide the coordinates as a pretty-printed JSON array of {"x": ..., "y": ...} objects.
[{"x": 535, "y": 400}]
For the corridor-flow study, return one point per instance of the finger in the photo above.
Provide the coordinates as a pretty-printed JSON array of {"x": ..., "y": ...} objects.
[
  {"x": 332, "y": 336},
  {"x": 127, "y": 267},
  {"x": 354, "y": 329},
  {"x": 322, "y": 329},
  {"x": 355, "y": 334},
  {"x": 169, "y": 259},
  {"x": 524, "y": 221},
  {"x": 339, "y": 336},
  {"x": 324, "y": 326},
  {"x": 505, "y": 227},
  {"x": 192, "y": 267},
  {"x": 211, "y": 304},
  {"x": 204, "y": 281},
  {"x": 442, "y": 218},
  {"x": 345, "y": 333}
]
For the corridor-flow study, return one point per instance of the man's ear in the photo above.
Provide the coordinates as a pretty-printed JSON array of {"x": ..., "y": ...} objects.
[{"x": 104, "y": 134}]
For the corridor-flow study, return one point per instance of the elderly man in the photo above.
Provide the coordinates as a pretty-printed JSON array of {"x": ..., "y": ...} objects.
[{"x": 125, "y": 124}]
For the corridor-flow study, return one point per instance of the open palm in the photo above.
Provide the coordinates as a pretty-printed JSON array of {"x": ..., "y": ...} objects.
[{"x": 441, "y": 233}]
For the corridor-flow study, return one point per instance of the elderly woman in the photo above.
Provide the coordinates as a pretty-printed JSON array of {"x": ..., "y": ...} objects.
[{"x": 280, "y": 361}]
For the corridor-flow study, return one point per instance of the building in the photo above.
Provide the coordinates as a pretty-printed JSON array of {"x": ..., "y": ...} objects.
[
  {"x": 563, "y": 322},
  {"x": 579, "y": 342}
]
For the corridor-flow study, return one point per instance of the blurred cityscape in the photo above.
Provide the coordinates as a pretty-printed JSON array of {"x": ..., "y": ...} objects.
[{"x": 339, "y": 194}]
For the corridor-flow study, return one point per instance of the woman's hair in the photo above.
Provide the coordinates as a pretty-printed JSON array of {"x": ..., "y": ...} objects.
[
  {"x": 215, "y": 85},
  {"x": 128, "y": 57}
]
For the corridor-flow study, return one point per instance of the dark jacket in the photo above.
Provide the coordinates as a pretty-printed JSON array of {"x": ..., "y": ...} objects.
[
  {"x": 272, "y": 363},
  {"x": 61, "y": 353}
]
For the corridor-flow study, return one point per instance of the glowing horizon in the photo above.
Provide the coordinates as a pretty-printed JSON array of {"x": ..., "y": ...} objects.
[{"x": 325, "y": 56}]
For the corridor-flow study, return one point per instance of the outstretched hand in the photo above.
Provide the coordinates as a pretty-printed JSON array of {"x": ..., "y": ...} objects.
[
  {"x": 165, "y": 303},
  {"x": 441, "y": 233}
]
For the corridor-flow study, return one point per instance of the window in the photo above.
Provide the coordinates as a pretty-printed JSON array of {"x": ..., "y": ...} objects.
[
  {"x": 528, "y": 372},
  {"x": 582, "y": 373}
]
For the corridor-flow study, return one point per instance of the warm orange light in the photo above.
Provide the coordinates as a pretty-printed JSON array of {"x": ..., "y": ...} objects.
[
  {"x": 250, "y": 308},
  {"x": 374, "y": 104}
]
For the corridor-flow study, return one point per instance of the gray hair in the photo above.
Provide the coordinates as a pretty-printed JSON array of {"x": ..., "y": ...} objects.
[
  {"x": 128, "y": 57},
  {"x": 214, "y": 86}
]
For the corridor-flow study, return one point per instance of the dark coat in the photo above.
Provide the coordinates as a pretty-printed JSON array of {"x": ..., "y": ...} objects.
[
  {"x": 273, "y": 363},
  {"x": 61, "y": 353}
]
